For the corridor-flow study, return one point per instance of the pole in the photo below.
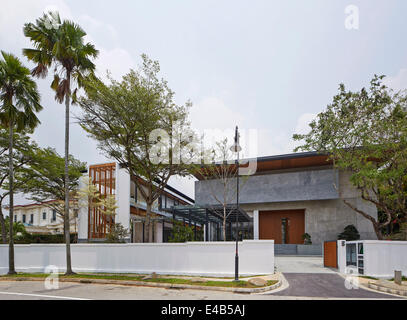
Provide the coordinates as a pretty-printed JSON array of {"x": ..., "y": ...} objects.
[{"x": 237, "y": 210}]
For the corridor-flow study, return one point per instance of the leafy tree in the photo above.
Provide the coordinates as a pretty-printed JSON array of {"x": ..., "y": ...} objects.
[
  {"x": 61, "y": 44},
  {"x": 350, "y": 233},
  {"x": 45, "y": 180},
  {"x": 18, "y": 227},
  {"x": 365, "y": 133},
  {"x": 23, "y": 150},
  {"x": 123, "y": 117},
  {"x": 19, "y": 101}
]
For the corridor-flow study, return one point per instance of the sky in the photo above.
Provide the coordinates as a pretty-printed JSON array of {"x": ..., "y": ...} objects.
[{"x": 268, "y": 66}]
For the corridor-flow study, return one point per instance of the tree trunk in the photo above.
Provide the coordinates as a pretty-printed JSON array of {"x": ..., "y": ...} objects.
[
  {"x": 224, "y": 224},
  {"x": 11, "y": 268},
  {"x": 3, "y": 226},
  {"x": 377, "y": 230},
  {"x": 66, "y": 213},
  {"x": 147, "y": 229}
]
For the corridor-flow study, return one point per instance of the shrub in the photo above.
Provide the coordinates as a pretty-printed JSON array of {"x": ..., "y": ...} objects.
[
  {"x": 181, "y": 233},
  {"x": 117, "y": 234},
  {"x": 307, "y": 238},
  {"x": 27, "y": 238},
  {"x": 350, "y": 233}
]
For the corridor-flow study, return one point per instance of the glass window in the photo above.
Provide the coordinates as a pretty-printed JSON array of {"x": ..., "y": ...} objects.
[
  {"x": 15, "y": 218},
  {"x": 54, "y": 215},
  {"x": 24, "y": 218},
  {"x": 351, "y": 254},
  {"x": 44, "y": 215},
  {"x": 31, "y": 219},
  {"x": 132, "y": 190}
]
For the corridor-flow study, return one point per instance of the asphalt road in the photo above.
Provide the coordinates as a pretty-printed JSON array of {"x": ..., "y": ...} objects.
[{"x": 300, "y": 288}]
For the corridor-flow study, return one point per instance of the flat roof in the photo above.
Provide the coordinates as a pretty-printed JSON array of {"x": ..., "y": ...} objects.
[{"x": 287, "y": 161}]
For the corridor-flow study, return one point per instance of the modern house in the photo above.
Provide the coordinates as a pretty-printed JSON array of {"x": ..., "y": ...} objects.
[
  {"x": 293, "y": 194},
  {"x": 42, "y": 218},
  {"x": 113, "y": 179}
]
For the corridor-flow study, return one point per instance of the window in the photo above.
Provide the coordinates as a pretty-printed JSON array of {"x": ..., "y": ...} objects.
[
  {"x": 351, "y": 254},
  {"x": 24, "y": 218},
  {"x": 54, "y": 215},
  {"x": 15, "y": 218},
  {"x": 133, "y": 191},
  {"x": 31, "y": 218},
  {"x": 44, "y": 215}
]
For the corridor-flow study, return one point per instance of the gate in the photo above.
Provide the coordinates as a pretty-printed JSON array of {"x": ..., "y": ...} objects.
[{"x": 330, "y": 254}]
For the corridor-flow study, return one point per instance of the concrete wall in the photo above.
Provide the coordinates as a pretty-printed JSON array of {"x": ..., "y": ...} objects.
[
  {"x": 193, "y": 258},
  {"x": 274, "y": 187},
  {"x": 380, "y": 258}
]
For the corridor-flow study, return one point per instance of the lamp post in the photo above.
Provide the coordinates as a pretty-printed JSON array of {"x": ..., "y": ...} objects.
[{"x": 236, "y": 149}]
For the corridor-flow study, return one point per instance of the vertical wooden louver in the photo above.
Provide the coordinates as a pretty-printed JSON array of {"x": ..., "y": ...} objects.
[{"x": 103, "y": 176}]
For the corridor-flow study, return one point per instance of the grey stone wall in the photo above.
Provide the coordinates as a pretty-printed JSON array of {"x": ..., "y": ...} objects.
[{"x": 274, "y": 187}]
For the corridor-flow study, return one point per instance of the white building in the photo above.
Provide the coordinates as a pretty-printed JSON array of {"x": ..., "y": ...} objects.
[{"x": 42, "y": 218}]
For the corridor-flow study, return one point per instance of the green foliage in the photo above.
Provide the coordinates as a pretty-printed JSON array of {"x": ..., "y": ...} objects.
[
  {"x": 307, "y": 238},
  {"x": 117, "y": 233},
  {"x": 401, "y": 235},
  {"x": 44, "y": 178},
  {"x": 60, "y": 44},
  {"x": 350, "y": 233},
  {"x": 365, "y": 133},
  {"x": 26, "y": 238},
  {"x": 18, "y": 227},
  {"x": 19, "y": 97},
  {"x": 181, "y": 233}
]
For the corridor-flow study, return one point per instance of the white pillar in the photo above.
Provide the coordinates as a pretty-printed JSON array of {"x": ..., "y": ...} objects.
[
  {"x": 341, "y": 255},
  {"x": 256, "y": 224},
  {"x": 123, "y": 197},
  {"x": 82, "y": 213}
]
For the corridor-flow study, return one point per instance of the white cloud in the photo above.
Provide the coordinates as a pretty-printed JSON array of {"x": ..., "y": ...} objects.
[
  {"x": 118, "y": 61},
  {"x": 398, "y": 81}
]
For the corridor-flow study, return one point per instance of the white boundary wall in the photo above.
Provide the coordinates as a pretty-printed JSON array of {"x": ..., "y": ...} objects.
[
  {"x": 380, "y": 257},
  {"x": 191, "y": 258}
]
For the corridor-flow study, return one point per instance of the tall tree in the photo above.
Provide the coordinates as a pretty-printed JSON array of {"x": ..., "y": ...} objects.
[
  {"x": 45, "y": 180},
  {"x": 23, "y": 150},
  {"x": 134, "y": 122},
  {"x": 365, "y": 133},
  {"x": 221, "y": 174},
  {"x": 20, "y": 101},
  {"x": 61, "y": 44}
]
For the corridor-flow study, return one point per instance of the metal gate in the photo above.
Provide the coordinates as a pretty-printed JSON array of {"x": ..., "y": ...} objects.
[{"x": 330, "y": 254}]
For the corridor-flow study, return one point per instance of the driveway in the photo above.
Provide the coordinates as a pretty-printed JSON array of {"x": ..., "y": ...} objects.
[
  {"x": 307, "y": 277},
  {"x": 301, "y": 264},
  {"x": 324, "y": 285}
]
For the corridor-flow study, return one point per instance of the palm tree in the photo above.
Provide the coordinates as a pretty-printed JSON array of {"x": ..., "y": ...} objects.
[
  {"x": 19, "y": 100},
  {"x": 61, "y": 44}
]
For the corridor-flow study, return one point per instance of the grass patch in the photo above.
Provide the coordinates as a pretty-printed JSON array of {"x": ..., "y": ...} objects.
[
  {"x": 209, "y": 283},
  {"x": 403, "y": 278}
]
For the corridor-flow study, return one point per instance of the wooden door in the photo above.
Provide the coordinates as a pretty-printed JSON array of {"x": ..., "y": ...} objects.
[
  {"x": 271, "y": 224},
  {"x": 330, "y": 254}
]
